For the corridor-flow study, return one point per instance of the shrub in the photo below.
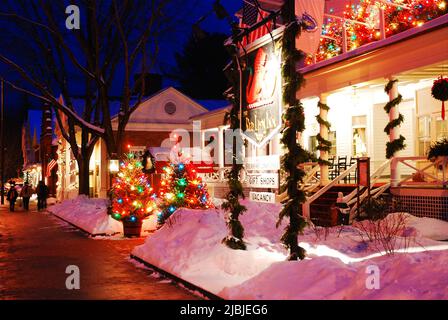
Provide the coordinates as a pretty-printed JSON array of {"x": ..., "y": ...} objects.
[
  {"x": 387, "y": 234},
  {"x": 374, "y": 209},
  {"x": 438, "y": 149}
]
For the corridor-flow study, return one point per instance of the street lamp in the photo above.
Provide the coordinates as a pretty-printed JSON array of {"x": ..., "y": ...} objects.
[{"x": 113, "y": 166}]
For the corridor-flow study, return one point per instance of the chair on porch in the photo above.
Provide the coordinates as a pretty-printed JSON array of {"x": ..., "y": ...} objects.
[
  {"x": 352, "y": 175},
  {"x": 342, "y": 165},
  {"x": 332, "y": 170}
]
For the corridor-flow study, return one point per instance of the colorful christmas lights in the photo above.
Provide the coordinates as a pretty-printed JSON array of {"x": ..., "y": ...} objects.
[
  {"x": 400, "y": 15},
  {"x": 132, "y": 196},
  {"x": 181, "y": 187}
]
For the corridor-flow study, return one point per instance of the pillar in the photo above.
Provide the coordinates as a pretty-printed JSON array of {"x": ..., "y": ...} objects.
[
  {"x": 221, "y": 151},
  {"x": 394, "y": 133},
  {"x": 276, "y": 145},
  {"x": 324, "y": 134}
]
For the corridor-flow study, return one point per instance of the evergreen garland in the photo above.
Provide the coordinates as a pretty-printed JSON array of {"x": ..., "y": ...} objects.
[
  {"x": 232, "y": 205},
  {"x": 394, "y": 146},
  {"x": 393, "y": 123},
  {"x": 398, "y": 144},
  {"x": 294, "y": 120},
  {"x": 323, "y": 122},
  {"x": 324, "y": 145}
]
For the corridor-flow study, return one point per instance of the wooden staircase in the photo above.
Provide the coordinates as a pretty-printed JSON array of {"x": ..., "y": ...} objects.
[{"x": 320, "y": 209}]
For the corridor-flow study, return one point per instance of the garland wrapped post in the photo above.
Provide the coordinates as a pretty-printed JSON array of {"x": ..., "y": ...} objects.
[
  {"x": 324, "y": 145},
  {"x": 231, "y": 205},
  {"x": 294, "y": 122},
  {"x": 395, "y": 144}
]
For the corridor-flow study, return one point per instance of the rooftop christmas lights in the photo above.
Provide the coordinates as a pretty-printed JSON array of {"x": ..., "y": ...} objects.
[{"x": 400, "y": 15}]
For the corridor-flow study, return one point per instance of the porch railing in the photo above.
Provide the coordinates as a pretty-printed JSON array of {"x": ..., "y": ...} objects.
[
  {"x": 351, "y": 198},
  {"x": 312, "y": 180},
  {"x": 342, "y": 38},
  {"x": 424, "y": 173},
  {"x": 307, "y": 204},
  {"x": 375, "y": 190}
]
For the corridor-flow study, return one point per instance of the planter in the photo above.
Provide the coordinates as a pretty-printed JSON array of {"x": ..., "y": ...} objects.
[{"x": 132, "y": 229}]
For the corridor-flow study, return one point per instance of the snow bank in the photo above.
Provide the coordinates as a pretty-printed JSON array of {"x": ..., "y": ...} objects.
[
  {"x": 428, "y": 227},
  {"x": 190, "y": 248},
  {"x": 90, "y": 214}
]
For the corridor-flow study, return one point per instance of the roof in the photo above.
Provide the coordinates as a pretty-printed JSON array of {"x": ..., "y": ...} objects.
[
  {"x": 212, "y": 112},
  {"x": 213, "y": 104}
]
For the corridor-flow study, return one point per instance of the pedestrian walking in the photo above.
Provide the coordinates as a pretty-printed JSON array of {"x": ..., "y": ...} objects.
[
  {"x": 12, "y": 196},
  {"x": 26, "y": 193},
  {"x": 42, "y": 195}
]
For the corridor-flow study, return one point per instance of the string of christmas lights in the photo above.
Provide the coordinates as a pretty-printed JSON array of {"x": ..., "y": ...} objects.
[
  {"x": 400, "y": 15},
  {"x": 181, "y": 187},
  {"x": 133, "y": 198}
]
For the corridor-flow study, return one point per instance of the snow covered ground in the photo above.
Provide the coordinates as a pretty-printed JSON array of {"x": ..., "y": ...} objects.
[
  {"x": 90, "y": 214},
  {"x": 189, "y": 246}
]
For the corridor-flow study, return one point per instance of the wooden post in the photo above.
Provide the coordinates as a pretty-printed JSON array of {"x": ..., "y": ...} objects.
[
  {"x": 344, "y": 37},
  {"x": 382, "y": 24},
  {"x": 394, "y": 133},
  {"x": 324, "y": 134},
  {"x": 221, "y": 152}
]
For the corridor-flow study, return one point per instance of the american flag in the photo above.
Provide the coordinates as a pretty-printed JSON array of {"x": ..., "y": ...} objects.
[
  {"x": 250, "y": 12},
  {"x": 50, "y": 167},
  {"x": 251, "y": 15}
]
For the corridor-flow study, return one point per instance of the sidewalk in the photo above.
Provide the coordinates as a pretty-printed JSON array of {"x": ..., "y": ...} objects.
[{"x": 36, "y": 248}]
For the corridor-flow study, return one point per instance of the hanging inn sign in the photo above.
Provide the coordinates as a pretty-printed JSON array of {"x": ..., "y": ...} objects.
[{"x": 261, "y": 100}]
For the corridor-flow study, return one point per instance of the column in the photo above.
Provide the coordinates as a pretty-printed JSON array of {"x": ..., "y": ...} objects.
[
  {"x": 104, "y": 170},
  {"x": 394, "y": 133},
  {"x": 221, "y": 152},
  {"x": 276, "y": 145},
  {"x": 202, "y": 140},
  {"x": 68, "y": 153},
  {"x": 324, "y": 134}
]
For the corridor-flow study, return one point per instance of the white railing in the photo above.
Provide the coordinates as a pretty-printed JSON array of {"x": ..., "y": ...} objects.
[
  {"x": 351, "y": 199},
  {"x": 311, "y": 181},
  {"x": 343, "y": 39},
  {"x": 218, "y": 175},
  {"x": 375, "y": 191},
  {"x": 306, "y": 205},
  {"x": 424, "y": 173}
]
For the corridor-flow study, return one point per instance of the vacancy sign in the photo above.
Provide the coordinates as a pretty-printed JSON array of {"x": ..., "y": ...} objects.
[
  {"x": 262, "y": 180},
  {"x": 265, "y": 197}
]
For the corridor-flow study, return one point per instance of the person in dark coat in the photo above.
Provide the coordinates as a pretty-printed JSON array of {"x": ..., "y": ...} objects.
[
  {"x": 42, "y": 195},
  {"x": 12, "y": 196},
  {"x": 26, "y": 193}
]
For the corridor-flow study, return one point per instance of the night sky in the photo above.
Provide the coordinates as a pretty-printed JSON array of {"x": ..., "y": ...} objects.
[{"x": 168, "y": 48}]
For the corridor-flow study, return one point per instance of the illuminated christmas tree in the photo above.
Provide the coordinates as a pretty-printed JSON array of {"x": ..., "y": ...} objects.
[
  {"x": 133, "y": 198},
  {"x": 181, "y": 187}
]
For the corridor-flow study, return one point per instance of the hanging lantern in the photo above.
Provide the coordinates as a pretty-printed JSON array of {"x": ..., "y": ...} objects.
[{"x": 439, "y": 91}]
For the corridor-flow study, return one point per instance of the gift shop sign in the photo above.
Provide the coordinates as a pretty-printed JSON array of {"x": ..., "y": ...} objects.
[
  {"x": 262, "y": 180},
  {"x": 261, "y": 100},
  {"x": 265, "y": 197}
]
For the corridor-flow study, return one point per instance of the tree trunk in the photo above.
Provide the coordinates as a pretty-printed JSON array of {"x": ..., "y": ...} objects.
[{"x": 84, "y": 186}]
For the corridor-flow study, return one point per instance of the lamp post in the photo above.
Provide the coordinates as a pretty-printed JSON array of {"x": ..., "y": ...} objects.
[
  {"x": 2, "y": 144},
  {"x": 113, "y": 166}
]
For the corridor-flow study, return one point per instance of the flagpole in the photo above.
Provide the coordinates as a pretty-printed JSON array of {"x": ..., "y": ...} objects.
[{"x": 2, "y": 144}]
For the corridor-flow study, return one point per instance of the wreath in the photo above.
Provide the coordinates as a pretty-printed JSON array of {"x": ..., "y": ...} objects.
[{"x": 440, "y": 92}]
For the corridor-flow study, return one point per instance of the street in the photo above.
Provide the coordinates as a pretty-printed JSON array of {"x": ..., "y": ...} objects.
[{"x": 36, "y": 248}]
